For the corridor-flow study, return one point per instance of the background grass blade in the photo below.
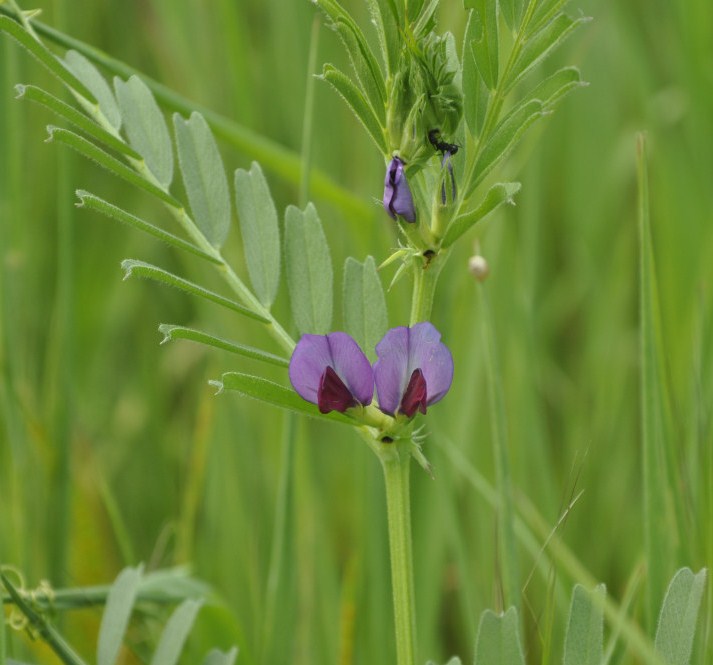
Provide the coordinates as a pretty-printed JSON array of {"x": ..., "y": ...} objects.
[
  {"x": 659, "y": 523},
  {"x": 115, "y": 620}
]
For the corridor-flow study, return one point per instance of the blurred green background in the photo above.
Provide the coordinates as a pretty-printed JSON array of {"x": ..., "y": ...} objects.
[{"x": 161, "y": 471}]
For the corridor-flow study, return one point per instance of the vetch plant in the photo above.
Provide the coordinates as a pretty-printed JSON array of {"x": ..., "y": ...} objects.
[{"x": 444, "y": 117}]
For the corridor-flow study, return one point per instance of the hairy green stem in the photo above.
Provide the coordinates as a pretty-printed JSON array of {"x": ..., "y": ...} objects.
[
  {"x": 396, "y": 463},
  {"x": 425, "y": 279}
]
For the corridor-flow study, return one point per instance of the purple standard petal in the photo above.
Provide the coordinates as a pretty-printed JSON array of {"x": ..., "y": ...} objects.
[
  {"x": 331, "y": 371},
  {"x": 397, "y": 195},
  {"x": 414, "y": 369}
]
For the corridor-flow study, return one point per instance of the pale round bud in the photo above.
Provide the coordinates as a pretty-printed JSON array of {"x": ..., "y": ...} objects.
[{"x": 478, "y": 267}]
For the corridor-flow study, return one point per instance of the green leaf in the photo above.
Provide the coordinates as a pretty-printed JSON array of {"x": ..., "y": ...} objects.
[
  {"x": 512, "y": 12},
  {"x": 309, "y": 270},
  {"x": 485, "y": 39},
  {"x": 171, "y": 332},
  {"x": 88, "y": 74},
  {"x": 175, "y": 633},
  {"x": 146, "y": 127},
  {"x": 363, "y": 61},
  {"x": 104, "y": 159},
  {"x": 356, "y": 101},
  {"x": 365, "y": 315},
  {"x": 260, "y": 231},
  {"x": 498, "y": 641},
  {"x": 45, "y": 57},
  {"x": 93, "y": 202},
  {"x": 679, "y": 616},
  {"x": 216, "y": 657},
  {"x": 556, "y": 86},
  {"x": 385, "y": 19},
  {"x": 119, "y": 605},
  {"x": 541, "y": 45},
  {"x": 504, "y": 139},
  {"x": 203, "y": 177},
  {"x": 499, "y": 194},
  {"x": 131, "y": 268},
  {"x": 475, "y": 92},
  {"x": 543, "y": 14},
  {"x": 275, "y": 394},
  {"x": 584, "y": 641},
  {"x": 70, "y": 114}
]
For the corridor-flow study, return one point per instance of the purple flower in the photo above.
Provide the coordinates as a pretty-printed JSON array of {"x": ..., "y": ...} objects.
[
  {"x": 332, "y": 372},
  {"x": 414, "y": 369},
  {"x": 397, "y": 195}
]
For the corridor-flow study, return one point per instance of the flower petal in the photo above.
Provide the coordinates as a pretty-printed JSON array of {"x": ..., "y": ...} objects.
[
  {"x": 404, "y": 351},
  {"x": 432, "y": 357},
  {"x": 397, "y": 194},
  {"x": 390, "y": 370},
  {"x": 315, "y": 353},
  {"x": 352, "y": 366},
  {"x": 309, "y": 361}
]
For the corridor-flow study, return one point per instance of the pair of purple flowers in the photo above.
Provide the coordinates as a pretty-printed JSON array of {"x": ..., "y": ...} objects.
[{"x": 414, "y": 370}]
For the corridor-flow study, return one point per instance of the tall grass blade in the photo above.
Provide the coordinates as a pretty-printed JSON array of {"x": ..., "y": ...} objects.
[
  {"x": 679, "y": 616},
  {"x": 115, "y": 620},
  {"x": 175, "y": 633},
  {"x": 659, "y": 527},
  {"x": 510, "y": 566}
]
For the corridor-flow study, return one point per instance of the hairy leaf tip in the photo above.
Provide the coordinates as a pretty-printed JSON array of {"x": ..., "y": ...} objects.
[
  {"x": 20, "y": 88},
  {"x": 219, "y": 385}
]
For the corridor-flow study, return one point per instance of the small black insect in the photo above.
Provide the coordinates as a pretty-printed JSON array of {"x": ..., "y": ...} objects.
[{"x": 435, "y": 139}]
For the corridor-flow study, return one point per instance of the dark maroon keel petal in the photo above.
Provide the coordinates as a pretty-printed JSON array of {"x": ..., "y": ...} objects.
[
  {"x": 332, "y": 394},
  {"x": 415, "y": 398}
]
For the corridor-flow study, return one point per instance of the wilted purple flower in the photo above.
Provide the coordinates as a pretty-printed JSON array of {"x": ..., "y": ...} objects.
[
  {"x": 332, "y": 372},
  {"x": 414, "y": 369},
  {"x": 397, "y": 195}
]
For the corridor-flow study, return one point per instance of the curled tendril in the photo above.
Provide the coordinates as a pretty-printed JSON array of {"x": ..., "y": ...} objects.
[{"x": 37, "y": 598}]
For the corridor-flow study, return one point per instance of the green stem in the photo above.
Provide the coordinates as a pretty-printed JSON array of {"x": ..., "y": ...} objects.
[
  {"x": 396, "y": 462},
  {"x": 425, "y": 279}
]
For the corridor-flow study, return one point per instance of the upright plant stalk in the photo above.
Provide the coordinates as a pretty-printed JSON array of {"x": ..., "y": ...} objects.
[{"x": 396, "y": 463}]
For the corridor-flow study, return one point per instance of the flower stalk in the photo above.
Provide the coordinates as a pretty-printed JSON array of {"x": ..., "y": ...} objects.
[{"x": 396, "y": 463}]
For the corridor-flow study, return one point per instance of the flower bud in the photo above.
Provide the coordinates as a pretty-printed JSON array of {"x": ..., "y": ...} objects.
[
  {"x": 478, "y": 267},
  {"x": 397, "y": 195}
]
